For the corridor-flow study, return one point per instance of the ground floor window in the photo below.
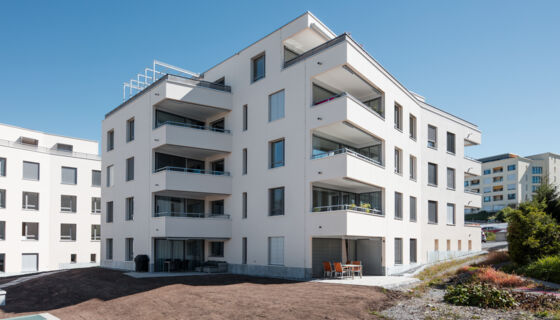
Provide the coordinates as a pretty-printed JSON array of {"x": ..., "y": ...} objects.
[
  {"x": 398, "y": 251},
  {"x": 276, "y": 251},
  {"x": 129, "y": 249},
  {"x": 217, "y": 249},
  {"x": 458, "y": 245},
  {"x": 92, "y": 257},
  {"x": 73, "y": 258},
  {"x": 436, "y": 245},
  {"x": 2, "y": 262},
  {"x": 109, "y": 249},
  {"x": 178, "y": 255},
  {"x": 413, "y": 251},
  {"x": 244, "y": 251}
]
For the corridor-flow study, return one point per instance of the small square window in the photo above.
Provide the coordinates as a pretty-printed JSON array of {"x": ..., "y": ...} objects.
[{"x": 216, "y": 249}]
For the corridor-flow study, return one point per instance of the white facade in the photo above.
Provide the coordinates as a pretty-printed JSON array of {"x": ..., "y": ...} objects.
[
  {"x": 333, "y": 108},
  {"x": 509, "y": 180},
  {"x": 46, "y": 192}
]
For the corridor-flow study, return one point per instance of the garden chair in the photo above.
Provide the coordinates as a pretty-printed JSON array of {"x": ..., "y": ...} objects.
[
  {"x": 339, "y": 271},
  {"x": 327, "y": 270}
]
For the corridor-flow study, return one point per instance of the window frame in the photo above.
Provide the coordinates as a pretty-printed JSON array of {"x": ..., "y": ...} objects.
[
  {"x": 110, "y": 140},
  {"x": 25, "y": 202},
  {"x": 398, "y": 243},
  {"x": 413, "y": 167},
  {"x": 244, "y": 164},
  {"x": 454, "y": 222},
  {"x": 128, "y": 249},
  {"x": 129, "y": 209},
  {"x": 130, "y": 130},
  {"x": 220, "y": 248},
  {"x": 283, "y": 107},
  {"x": 398, "y": 161},
  {"x": 454, "y": 185},
  {"x": 436, "y": 220},
  {"x": 454, "y": 144},
  {"x": 413, "y": 218},
  {"x": 109, "y": 214},
  {"x": 62, "y": 168},
  {"x": 109, "y": 249},
  {"x": 254, "y": 61},
  {"x": 412, "y": 126},
  {"x": 413, "y": 258},
  {"x": 272, "y": 211},
  {"x": 435, "y": 141},
  {"x": 399, "y": 205},
  {"x": 94, "y": 235},
  {"x": 129, "y": 172},
  {"x": 270, "y": 256},
  {"x": 244, "y": 210},
  {"x": 3, "y": 167},
  {"x": 277, "y": 164},
  {"x": 245, "y": 116},
  {"x": 398, "y": 117},
  {"x": 38, "y": 171},
  {"x": 72, "y": 236},
  {"x": 430, "y": 183},
  {"x": 73, "y": 203}
]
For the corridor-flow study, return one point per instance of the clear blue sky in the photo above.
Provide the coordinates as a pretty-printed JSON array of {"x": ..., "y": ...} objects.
[{"x": 494, "y": 63}]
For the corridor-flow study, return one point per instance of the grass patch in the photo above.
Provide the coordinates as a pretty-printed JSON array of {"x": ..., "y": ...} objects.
[{"x": 432, "y": 271}]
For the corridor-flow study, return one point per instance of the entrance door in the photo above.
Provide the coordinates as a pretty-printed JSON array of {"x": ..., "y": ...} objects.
[
  {"x": 29, "y": 262},
  {"x": 370, "y": 252}
]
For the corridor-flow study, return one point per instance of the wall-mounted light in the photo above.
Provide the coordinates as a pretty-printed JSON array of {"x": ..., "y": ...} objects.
[
  {"x": 319, "y": 63},
  {"x": 319, "y": 118},
  {"x": 320, "y": 172}
]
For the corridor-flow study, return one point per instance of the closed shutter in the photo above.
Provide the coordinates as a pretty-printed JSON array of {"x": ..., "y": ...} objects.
[
  {"x": 413, "y": 254},
  {"x": 30, "y": 170},
  {"x": 398, "y": 251},
  {"x": 29, "y": 262},
  {"x": 69, "y": 175}
]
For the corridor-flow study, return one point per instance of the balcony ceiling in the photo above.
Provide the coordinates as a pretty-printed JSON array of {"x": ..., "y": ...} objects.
[
  {"x": 341, "y": 80},
  {"x": 188, "y": 195},
  {"x": 304, "y": 41},
  {"x": 189, "y": 110},
  {"x": 345, "y": 184},
  {"x": 188, "y": 152},
  {"x": 343, "y": 132}
]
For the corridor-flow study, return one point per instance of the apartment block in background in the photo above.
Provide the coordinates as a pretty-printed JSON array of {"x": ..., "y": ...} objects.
[
  {"x": 50, "y": 201},
  {"x": 508, "y": 179},
  {"x": 297, "y": 150}
]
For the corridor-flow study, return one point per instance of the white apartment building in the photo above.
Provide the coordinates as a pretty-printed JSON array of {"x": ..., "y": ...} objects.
[
  {"x": 508, "y": 179},
  {"x": 301, "y": 148},
  {"x": 49, "y": 201}
]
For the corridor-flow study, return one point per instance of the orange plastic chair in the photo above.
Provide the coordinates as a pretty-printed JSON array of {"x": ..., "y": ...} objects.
[{"x": 327, "y": 270}]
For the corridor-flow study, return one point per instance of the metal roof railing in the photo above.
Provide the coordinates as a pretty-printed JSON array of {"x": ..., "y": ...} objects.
[{"x": 81, "y": 155}]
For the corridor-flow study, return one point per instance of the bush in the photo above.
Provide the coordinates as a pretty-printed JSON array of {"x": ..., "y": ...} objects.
[
  {"x": 532, "y": 233},
  {"x": 498, "y": 278},
  {"x": 479, "y": 295},
  {"x": 546, "y": 268},
  {"x": 494, "y": 258},
  {"x": 490, "y": 236}
]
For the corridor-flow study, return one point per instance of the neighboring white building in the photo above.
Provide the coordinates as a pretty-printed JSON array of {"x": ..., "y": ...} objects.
[
  {"x": 509, "y": 180},
  {"x": 299, "y": 149},
  {"x": 49, "y": 201}
]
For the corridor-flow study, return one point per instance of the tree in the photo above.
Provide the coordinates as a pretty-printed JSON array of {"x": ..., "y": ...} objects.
[
  {"x": 549, "y": 195},
  {"x": 532, "y": 233}
]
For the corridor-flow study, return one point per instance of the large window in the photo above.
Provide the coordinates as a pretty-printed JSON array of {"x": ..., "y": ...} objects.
[
  {"x": 258, "y": 67},
  {"x": 130, "y": 169},
  {"x": 398, "y": 161},
  {"x": 110, "y": 176},
  {"x": 398, "y": 205},
  {"x": 109, "y": 249},
  {"x": 68, "y": 203},
  {"x": 276, "y": 106},
  {"x": 129, "y": 208},
  {"x": 163, "y": 117},
  {"x": 244, "y": 205},
  {"x": 130, "y": 130},
  {"x": 432, "y": 212},
  {"x": 412, "y": 126},
  {"x": 2, "y": 167},
  {"x": 398, "y": 251},
  {"x": 30, "y": 230},
  {"x": 245, "y": 117},
  {"x": 451, "y": 178},
  {"x": 96, "y": 178},
  {"x": 128, "y": 249},
  {"x": 432, "y": 174},
  {"x": 537, "y": 179},
  {"x": 413, "y": 251},
  {"x": 276, "y": 251},
  {"x": 398, "y": 117},
  {"x": 69, "y": 175},
  {"x": 110, "y": 140},
  {"x": 2, "y": 198},
  {"x": 95, "y": 232},
  {"x": 109, "y": 213},
  {"x": 217, "y": 249},
  {"x": 323, "y": 147},
  {"x": 30, "y": 170},
  {"x": 432, "y": 137},
  {"x": 30, "y": 200},
  {"x": 68, "y": 232},
  {"x": 95, "y": 205},
  {"x": 537, "y": 170},
  {"x": 217, "y": 207},
  {"x": 451, "y": 214},
  {"x": 244, "y": 169},
  {"x": 412, "y": 168},
  {"x": 413, "y": 209},
  {"x": 331, "y": 200},
  {"x": 451, "y": 142},
  {"x": 276, "y": 201},
  {"x": 511, "y": 196},
  {"x": 277, "y": 153}
]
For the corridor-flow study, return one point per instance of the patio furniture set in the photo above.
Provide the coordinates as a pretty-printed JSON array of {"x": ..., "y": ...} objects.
[{"x": 339, "y": 270}]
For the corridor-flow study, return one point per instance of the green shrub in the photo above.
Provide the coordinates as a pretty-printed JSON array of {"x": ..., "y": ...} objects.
[
  {"x": 490, "y": 236},
  {"x": 479, "y": 295},
  {"x": 546, "y": 268}
]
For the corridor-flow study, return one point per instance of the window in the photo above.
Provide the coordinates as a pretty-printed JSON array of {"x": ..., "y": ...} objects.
[
  {"x": 432, "y": 174},
  {"x": 412, "y": 208},
  {"x": 276, "y": 251},
  {"x": 2, "y": 198},
  {"x": 277, "y": 154},
  {"x": 95, "y": 205},
  {"x": 398, "y": 117},
  {"x": 217, "y": 207},
  {"x": 511, "y": 196},
  {"x": 217, "y": 249},
  {"x": 73, "y": 258},
  {"x": 109, "y": 214},
  {"x": 276, "y": 201},
  {"x": 459, "y": 245},
  {"x": 412, "y": 168},
  {"x": 245, "y": 117},
  {"x": 2, "y": 262},
  {"x": 96, "y": 178},
  {"x": 451, "y": 178},
  {"x": 511, "y": 167},
  {"x": 2, "y": 167},
  {"x": 2, "y": 230},
  {"x": 448, "y": 245},
  {"x": 258, "y": 67},
  {"x": 398, "y": 161},
  {"x": 244, "y": 169},
  {"x": 110, "y": 175},
  {"x": 451, "y": 214},
  {"x": 512, "y": 186},
  {"x": 475, "y": 182},
  {"x": 413, "y": 251},
  {"x": 432, "y": 137},
  {"x": 92, "y": 258},
  {"x": 68, "y": 203},
  {"x": 244, "y": 205},
  {"x": 470, "y": 245},
  {"x": 128, "y": 249},
  {"x": 537, "y": 179},
  {"x": 95, "y": 232},
  {"x": 398, "y": 251},
  {"x": 412, "y": 126},
  {"x": 487, "y": 171},
  {"x": 244, "y": 251},
  {"x": 436, "y": 245},
  {"x": 30, "y": 201},
  {"x": 130, "y": 169},
  {"x": 129, "y": 207},
  {"x": 30, "y": 170},
  {"x": 534, "y": 189},
  {"x": 498, "y": 179},
  {"x": 276, "y": 106},
  {"x": 487, "y": 199},
  {"x": 432, "y": 212},
  {"x": 398, "y": 205},
  {"x": 498, "y": 170},
  {"x": 109, "y": 249},
  {"x": 537, "y": 170},
  {"x": 110, "y": 140},
  {"x": 487, "y": 181},
  {"x": 30, "y": 230},
  {"x": 130, "y": 130},
  {"x": 498, "y": 198},
  {"x": 451, "y": 142},
  {"x": 68, "y": 232},
  {"x": 512, "y": 177}
]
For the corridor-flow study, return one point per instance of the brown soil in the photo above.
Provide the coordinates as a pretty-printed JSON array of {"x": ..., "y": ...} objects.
[{"x": 96, "y": 293}]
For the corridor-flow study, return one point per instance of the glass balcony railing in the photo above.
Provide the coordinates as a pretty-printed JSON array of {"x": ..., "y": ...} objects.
[
  {"x": 192, "y": 170},
  {"x": 348, "y": 207},
  {"x": 191, "y": 215},
  {"x": 194, "y": 126},
  {"x": 346, "y": 151}
]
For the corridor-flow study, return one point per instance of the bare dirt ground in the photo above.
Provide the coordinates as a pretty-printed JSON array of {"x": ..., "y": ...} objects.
[{"x": 96, "y": 293}]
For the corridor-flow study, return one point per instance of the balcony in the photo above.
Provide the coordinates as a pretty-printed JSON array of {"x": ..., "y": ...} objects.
[
  {"x": 194, "y": 181},
  {"x": 204, "y": 141},
  {"x": 472, "y": 166},
  {"x": 473, "y": 200},
  {"x": 346, "y": 221},
  {"x": 191, "y": 225}
]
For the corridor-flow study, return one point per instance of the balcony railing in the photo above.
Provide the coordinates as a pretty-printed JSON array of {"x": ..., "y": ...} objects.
[
  {"x": 56, "y": 152},
  {"x": 199, "y": 83},
  {"x": 194, "y": 126},
  {"x": 351, "y": 97},
  {"x": 346, "y": 151},
  {"x": 316, "y": 50},
  {"x": 472, "y": 192},
  {"x": 191, "y": 170},
  {"x": 191, "y": 215},
  {"x": 472, "y": 159},
  {"x": 348, "y": 207}
]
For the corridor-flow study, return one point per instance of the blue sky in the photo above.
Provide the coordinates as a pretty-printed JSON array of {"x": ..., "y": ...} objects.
[{"x": 494, "y": 63}]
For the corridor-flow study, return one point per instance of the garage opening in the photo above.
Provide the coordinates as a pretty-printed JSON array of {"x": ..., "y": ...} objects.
[{"x": 367, "y": 250}]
